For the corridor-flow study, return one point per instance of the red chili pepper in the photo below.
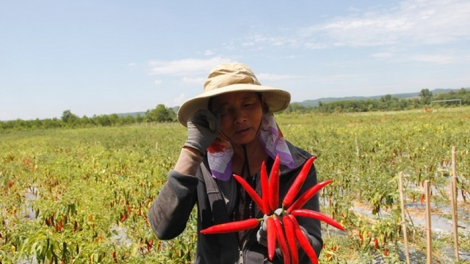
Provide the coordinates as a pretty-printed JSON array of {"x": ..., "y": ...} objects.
[
  {"x": 307, "y": 195},
  {"x": 376, "y": 243},
  {"x": 254, "y": 196},
  {"x": 317, "y": 215},
  {"x": 265, "y": 192},
  {"x": 281, "y": 240},
  {"x": 298, "y": 182},
  {"x": 291, "y": 241},
  {"x": 234, "y": 226},
  {"x": 303, "y": 241},
  {"x": 274, "y": 184},
  {"x": 271, "y": 229}
]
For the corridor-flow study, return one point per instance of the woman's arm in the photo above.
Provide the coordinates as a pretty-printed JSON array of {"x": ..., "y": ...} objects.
[{"x": 170, "y": 211}]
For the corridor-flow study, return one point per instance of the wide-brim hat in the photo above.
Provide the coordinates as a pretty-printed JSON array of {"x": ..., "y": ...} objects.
[{"x": 228, "y": 78}]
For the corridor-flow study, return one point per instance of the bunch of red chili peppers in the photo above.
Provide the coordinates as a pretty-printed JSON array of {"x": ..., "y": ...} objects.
[{"x": 282, "y": 226}]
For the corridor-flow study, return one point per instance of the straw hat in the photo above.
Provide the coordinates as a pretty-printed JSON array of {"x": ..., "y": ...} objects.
[{"x": 233, "y": 77}]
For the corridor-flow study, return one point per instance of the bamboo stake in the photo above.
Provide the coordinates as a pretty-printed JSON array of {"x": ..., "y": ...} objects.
[
  {"x": 453, "y": 187},
  {"x": 403, "y": 219},
  {"x": 357, "y": 149},
  {"x": 427, "y": 191}
]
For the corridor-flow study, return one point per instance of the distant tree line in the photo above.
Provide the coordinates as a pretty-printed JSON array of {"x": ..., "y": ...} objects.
[
  {"x": 163, "y": 114},
  {"x": 70, "y": 120},
  {"x": 386, "y": 103}
]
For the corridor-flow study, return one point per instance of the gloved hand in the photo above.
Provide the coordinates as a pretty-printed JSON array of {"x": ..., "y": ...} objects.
[
  {"x": 203, "y": 129},
  {"x": 261, "y": 235}
]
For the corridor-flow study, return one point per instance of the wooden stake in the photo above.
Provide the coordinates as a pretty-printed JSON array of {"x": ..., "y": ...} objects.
[
  {"x": 403, "y": 219},
  {"x": 357, "y": 149},
  {"x": 427, "y": 190},
  {"x": 453, "y": 200}
]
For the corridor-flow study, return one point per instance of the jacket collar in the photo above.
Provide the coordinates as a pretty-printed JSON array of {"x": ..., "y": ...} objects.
[{"x": 299, "y": 156}]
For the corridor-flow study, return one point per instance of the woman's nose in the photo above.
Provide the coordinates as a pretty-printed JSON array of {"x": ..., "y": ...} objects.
[{"x": 238, "y": 116}]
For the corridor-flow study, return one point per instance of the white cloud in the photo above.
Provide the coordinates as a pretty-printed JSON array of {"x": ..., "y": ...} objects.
[
  {"x": 411, "y": 22},
  {"x": 291, "y": 56},
  {"x": 197, "y": 80},
  {"x": 439, "y": 59},
  {"x": 414, "y": 21},
  {"x": 180, "y": 99},
  {"x": 337, "y": 78},
  {"x": 157, "y": 82},
  {"x": 273, "y": 77},
  {"x": 208, "y": 52},
  {"x": 185, "y": 66},
  {"x": 255, "y": 41},
  {"x": 383, "y": 55},
  {"x": 436, "y": 56}
]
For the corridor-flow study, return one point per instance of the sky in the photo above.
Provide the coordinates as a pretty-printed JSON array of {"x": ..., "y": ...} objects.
[{"x": 105, "y": 57}]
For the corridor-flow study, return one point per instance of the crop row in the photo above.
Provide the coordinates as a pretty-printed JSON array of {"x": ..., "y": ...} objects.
[{"x": 82, "y": 195}]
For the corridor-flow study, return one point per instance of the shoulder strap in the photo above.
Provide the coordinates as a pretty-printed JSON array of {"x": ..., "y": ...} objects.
[
  {"x": 216, "y": 200},
  {"x": 220, "y": 215}
]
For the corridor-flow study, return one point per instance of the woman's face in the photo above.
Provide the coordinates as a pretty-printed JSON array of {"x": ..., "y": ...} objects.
[{"x": 242, "y": 118}]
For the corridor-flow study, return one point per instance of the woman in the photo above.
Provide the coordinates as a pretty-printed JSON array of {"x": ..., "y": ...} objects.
[{"x": 231, "y": 129}]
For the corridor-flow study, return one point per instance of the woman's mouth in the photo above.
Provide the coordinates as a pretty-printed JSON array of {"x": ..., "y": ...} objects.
[{"x": 242, "y": 132}]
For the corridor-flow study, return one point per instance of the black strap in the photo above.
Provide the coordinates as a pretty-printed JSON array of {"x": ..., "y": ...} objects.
[
  {"x": 220, "y": 215},
  {"x": 249, "y": 210}
]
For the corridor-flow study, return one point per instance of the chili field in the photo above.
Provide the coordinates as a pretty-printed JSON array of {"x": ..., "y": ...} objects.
[{"x": 82, "y": 195}]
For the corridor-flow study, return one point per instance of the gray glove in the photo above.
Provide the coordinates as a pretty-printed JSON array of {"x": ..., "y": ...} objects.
[
  {"x": 261, "y": 235},
  {"x": 203, "y": 129}
]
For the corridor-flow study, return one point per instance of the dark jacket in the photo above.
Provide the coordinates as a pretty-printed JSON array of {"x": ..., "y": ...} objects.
[{"x": 171, "y": 209}]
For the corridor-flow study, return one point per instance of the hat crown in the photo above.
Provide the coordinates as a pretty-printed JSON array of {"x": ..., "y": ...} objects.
[
  {"x": 229, "y": 74},
  {"x": 229, "y": 78}
]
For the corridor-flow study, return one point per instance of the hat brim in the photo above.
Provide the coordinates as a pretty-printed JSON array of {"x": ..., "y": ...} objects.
[{"x": 276, "y": 99}]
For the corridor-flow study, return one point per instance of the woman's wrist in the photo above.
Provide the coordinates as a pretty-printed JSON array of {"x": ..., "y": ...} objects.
[
  {"x": 188, "y": 161},
  {"x": 193, "y": 150}
]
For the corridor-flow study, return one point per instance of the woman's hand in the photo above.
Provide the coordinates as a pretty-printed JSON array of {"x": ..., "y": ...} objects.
[
  {"x": 203, "y": 129},
  {"x": 262, "y": 234}
]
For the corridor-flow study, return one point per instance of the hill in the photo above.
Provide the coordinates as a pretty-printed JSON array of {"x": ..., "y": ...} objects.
[
  {"x": 134, "y": 114},
  {"x": 331, "y": 99},
  {"x": 355, "y": 98}
]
